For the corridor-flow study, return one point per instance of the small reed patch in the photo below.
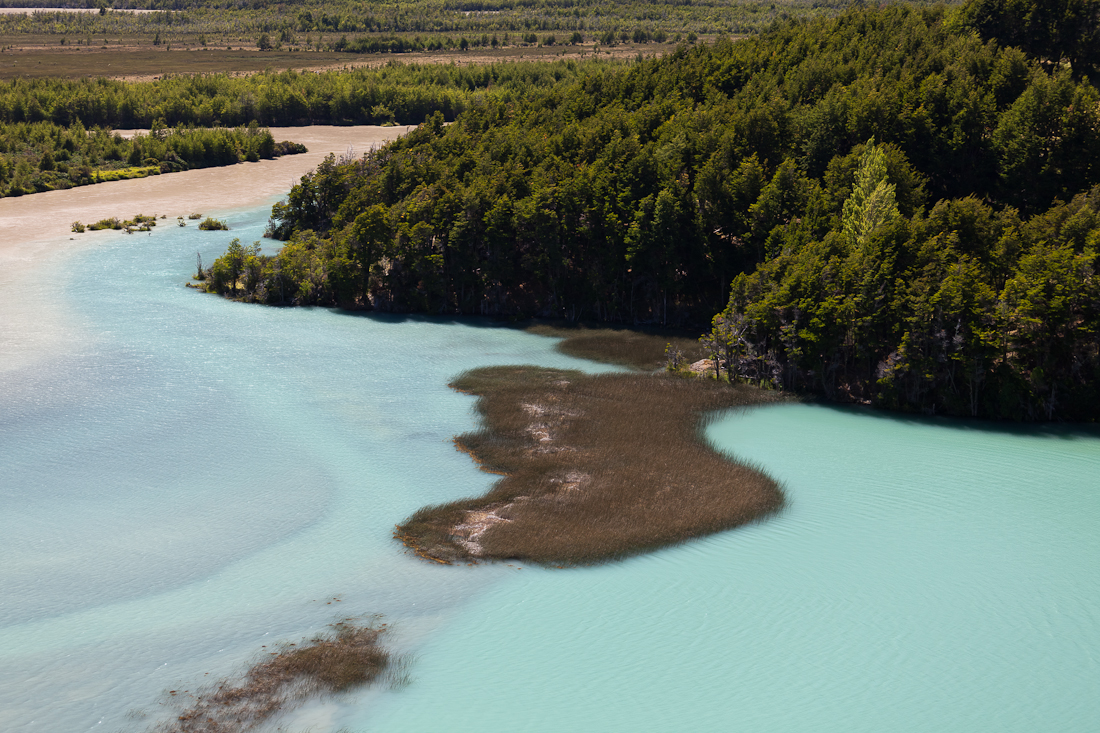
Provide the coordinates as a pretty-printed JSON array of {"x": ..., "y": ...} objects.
[
  {"x": 595, "y": 468},
  {"x": 350, "y": 656},
  {"x": 639, "y": 349}
]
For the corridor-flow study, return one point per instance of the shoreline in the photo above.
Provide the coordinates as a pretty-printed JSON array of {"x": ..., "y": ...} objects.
[
  {"x": 35, "y": 229},
  {"x": 47, "y": 215}
]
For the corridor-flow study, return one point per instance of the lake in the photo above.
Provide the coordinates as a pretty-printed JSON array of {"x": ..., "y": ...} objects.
[{"x": 187, "y": 480}]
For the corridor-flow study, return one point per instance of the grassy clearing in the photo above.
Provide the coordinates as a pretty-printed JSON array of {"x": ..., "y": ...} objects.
[
  {"x": 595, "y": 468},
  {"x": 350, "y": 656},
  {"x": 122, "y": 61},
  {"x": 123, "y": 174}
]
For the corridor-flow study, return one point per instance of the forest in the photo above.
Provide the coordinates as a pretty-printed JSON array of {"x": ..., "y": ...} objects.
[
  {"x": 41, "y": 156},
  {"x": 55, "y": 133},
  {"x": 394, "y": 93},
  {"x": 905, "y": 206}
]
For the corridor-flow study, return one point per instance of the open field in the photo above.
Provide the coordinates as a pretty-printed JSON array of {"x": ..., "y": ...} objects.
[
  {"x": 326, "y": 33},
  {"x": 133, "y": 62},
  {"x": 27, "y": 11}
]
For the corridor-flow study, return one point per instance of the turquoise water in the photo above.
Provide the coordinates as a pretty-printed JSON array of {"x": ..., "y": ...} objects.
[{"x": 186, "y": 480}]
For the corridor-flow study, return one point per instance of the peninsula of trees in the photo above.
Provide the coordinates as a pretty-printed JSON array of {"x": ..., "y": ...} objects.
[
  {"x": 905, "y": 207},
  {"x": 41, "y": 156}
]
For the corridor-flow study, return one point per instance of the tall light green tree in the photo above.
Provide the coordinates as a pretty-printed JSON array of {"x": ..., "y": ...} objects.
[{"x": 873, "y": 201}]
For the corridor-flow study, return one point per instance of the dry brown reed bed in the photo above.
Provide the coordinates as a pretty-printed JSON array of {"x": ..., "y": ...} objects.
[
  {"x": 641, "y": 349},
  {"x": 595, "y": 468},
  {"x": 349, "y": 656}
]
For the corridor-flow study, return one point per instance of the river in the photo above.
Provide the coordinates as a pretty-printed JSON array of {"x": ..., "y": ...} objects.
[{"x": 186, "y": 480}]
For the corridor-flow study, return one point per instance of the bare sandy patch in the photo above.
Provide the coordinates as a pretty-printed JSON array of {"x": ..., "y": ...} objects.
[
  {"x": 48, "y": 216},
  {"x": 36, "y": 228}
]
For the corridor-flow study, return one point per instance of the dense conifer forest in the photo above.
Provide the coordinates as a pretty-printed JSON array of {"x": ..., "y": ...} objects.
[
  {"x": 55, "y": 133},
  {"x": 396, "y": 92},
  {"x": 905, "y": 206}
]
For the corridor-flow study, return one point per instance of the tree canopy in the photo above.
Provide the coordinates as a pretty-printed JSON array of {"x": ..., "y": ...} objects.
[
  {"x": 1054, "y": 30},
  {"x": 886, "y": 189}
]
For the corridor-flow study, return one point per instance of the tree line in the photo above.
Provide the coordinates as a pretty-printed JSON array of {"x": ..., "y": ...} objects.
[
  {"x": 395, "y": 92},
  {"x": 56, "y": 133},
  {"x": 42, "y": 156},
  {"x": 229, "y": 20},
  {"x": 905, "y": 207}
]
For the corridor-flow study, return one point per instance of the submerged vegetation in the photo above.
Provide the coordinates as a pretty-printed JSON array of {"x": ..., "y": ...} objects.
[
  {"x": 638, "y": 348},
  {"x": 350, "y": 656}
]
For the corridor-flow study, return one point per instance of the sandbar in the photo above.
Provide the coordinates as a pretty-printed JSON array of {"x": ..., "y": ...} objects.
[
  {"x": 48, "y": 215},
  {"x": 36, "y": 228}
]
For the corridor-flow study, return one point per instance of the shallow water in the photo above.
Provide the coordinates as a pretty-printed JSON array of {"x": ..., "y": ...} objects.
[
  {"x": 923, "y": 578},
  {"x": 187, "y": 480}
]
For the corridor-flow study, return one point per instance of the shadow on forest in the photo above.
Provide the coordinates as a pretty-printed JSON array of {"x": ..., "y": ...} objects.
[{"x": 1061, "y": 431}]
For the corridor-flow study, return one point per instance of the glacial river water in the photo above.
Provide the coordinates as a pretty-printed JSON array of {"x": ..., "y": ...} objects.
[{"x": 185, "y": 481}]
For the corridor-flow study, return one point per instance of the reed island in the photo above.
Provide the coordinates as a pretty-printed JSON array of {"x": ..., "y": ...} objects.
[{"x": 594, "y": 467}]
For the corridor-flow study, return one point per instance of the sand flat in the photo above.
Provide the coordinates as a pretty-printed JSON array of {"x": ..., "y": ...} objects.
[
  {"x": 37, "y": 228},
  {"x": 49, "y": 215}
]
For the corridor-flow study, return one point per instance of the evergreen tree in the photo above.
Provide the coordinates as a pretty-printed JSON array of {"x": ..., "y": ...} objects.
[{"x": 873, "y": 201}]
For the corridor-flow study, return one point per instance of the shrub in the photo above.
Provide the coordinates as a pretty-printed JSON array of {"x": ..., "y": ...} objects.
[
  {"x": 112, "y": 223},
  {"x": 140, "y": 220},
  {"x": 122, "y": 174},
  {"x": 209, "y": 224},
  {"x": 287, "y": 147}
]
